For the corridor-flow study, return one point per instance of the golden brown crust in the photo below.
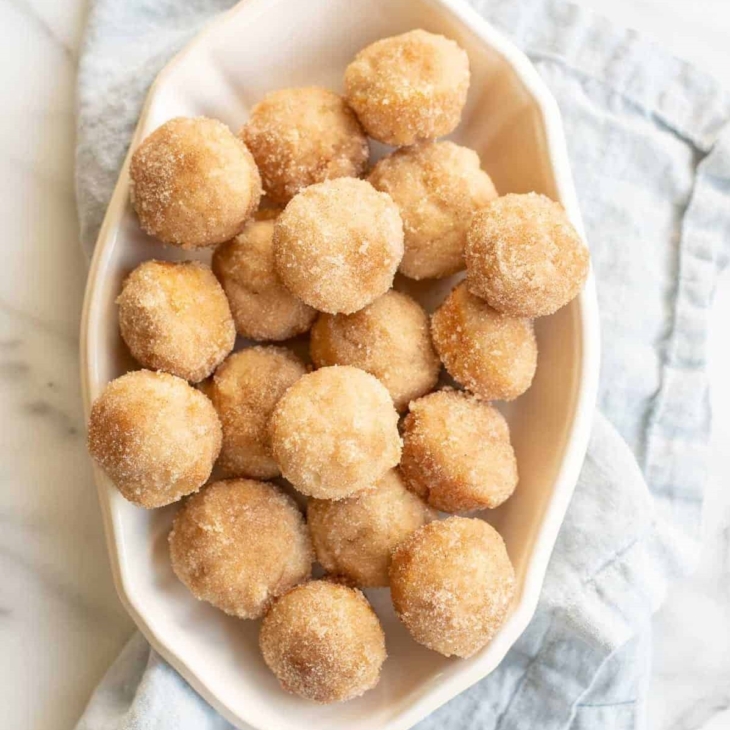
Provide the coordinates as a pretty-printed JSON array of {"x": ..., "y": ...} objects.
[
  {"x": 452, "y": 584},
  {"x": 492, "y": 355},
  {"x": 239, "y": 544},
  {"x": 334, "y": 433},
  {"x": 408, "y": 88},
  {"x": 244, "y": 391},
  {"x": 175, "y": 317},
  {"x": 389, "y": 339},
  {"x": 304, "y": 136},
  {"x": 193, "y": 183},
  {"x": 457, "y": 453},
  {"x": 524, "y": 257},
  {"x": 323, "y": 642},
  {"x": 155, "y": 436},
  {"x": 337, "y": 245},
  {"x": 262, "y": 307},
  {"x": 354, "y": 537},
  {"x": 437, "y": 187}
]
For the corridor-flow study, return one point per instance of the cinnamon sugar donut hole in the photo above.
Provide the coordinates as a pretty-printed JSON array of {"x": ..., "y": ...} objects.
[
  {"x": 303, "y": 136},
  {"x": 262, "y": 307},
  {"x": 238, "y": 544},
  {"x": 193, "y": 183},
  {"x": 409, "y": 87},
  {"x": 337, "y": 245},
  {"x": 323, "y": 642},
  {"x": 355, "y": 537},
  {"x": 524, "y": 257},
  {"x": 175, "y": 317},
  {"x": 244, "y": 390},
  {"x": 334, "y": 433},
  {"x": 492, "y": 355},
  {"x": 452, "y": 583},
  {"x": 437, "y": 187},
  {"x": 155, "y": 436},
  {"x": 389, "y": 339},
  {"x": 457, "y": 453}
]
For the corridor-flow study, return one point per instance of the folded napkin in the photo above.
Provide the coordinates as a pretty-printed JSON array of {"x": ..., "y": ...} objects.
[{"x": 650, "y": 148}]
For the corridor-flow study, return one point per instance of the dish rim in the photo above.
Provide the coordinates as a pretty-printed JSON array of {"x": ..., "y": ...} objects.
[{"x": 579, "y": 430}]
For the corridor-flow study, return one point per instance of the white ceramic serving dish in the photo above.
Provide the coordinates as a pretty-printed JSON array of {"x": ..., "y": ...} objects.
[{"x": 513, "y": 122}]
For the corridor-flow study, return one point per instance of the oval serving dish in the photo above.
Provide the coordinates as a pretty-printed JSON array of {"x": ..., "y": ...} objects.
[{"x": 514, "y": 124}]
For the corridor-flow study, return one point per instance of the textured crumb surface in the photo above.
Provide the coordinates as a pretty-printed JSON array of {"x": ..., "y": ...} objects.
[
  {"x": 337, "y": 245},
  {"x": 389, "y": 338},
  {"x": 437, "y": 187},
  {"x": 452, "y": 584},
  {"x": 244, "y": 390},
  {"x": 334, "y": 433},
  {"x": 193, "y": 183},
  {"x": 457, "y": 453},
  {"x": 262, "y": 307},
  {"x": 323, "y": 642},
  {"x": 304, "y": 136},
  {"x": 491, "y": 354},
  {"x": 238, "y": 544},
  {"x": 409, "y": 87},
  {"x": 524, "y": 257},
  {"x": 354, "y": 537},
  {"x": 155, "y": 436},
  {"x": 175, "y": 317}
]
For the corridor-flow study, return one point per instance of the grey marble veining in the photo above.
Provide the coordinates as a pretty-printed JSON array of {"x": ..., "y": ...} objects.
[
  {"x": 33, "y": 14},
  {"x": 60, "y": 621}
]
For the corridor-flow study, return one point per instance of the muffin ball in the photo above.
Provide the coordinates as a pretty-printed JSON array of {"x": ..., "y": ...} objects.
[
  {"x": 354, "y": 537},
  {"x": 389, "y": 338},
  {"x": 262, "y": 307},
  {"x": 335, "y": 433},
  {"x": 239, "y": 544},
  {"x": 337, "y": 245},
  {"x": 437, "y": 187},
  {"x": 490, "y": 354},
  {"x": 155, "y": 436},
  {"x": 193, "y": 183},
  {"x": 409, "y": 87},
  {"x": 244, "y": 391},
  {"x": 524, "y": 257},
  {"x": 300, "y": 137},
  {"x": 175, "y": 317},
  {"x": 456, "y": 452},
  {"x": 323, "y": 642},
  {"x": 452, "y": 583}
]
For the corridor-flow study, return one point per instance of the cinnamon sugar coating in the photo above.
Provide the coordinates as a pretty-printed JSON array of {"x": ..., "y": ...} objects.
[
  {"x": 262, "y": 307},
  {"x": 409, "y": 87},
  {"x": 524, "y": 257},
  {"x": 238, "y": 544},
  {"x": 452, "y": 583},
  {"x": 323, "y": 642},
  {"x": 389, "y": 338},
  {"x": 334, "y": 433},
  {"x": 244, "y": 390},
  {"x": 193, "y": 183},
  {"x": 304, "y": 136},
  {"x": 492, "y": 355},
  {"x": 457, "y": 453},
  {"x": 175, "y": 317},
  {"x": 155, "y": 436},
  {"x": 354, "y": 537},
  {"x": 437, "y": 187},
  {"x": 337, "y": 245}
]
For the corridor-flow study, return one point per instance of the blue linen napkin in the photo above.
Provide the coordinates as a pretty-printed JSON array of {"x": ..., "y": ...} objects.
[{"x": 649, "y": 142}]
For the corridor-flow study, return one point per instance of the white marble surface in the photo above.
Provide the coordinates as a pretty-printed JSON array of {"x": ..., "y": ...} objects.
[{"x": 60, "y": 621}]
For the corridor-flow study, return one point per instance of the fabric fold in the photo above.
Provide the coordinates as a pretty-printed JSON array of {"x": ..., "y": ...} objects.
[{"x": 649, "y": 141}]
